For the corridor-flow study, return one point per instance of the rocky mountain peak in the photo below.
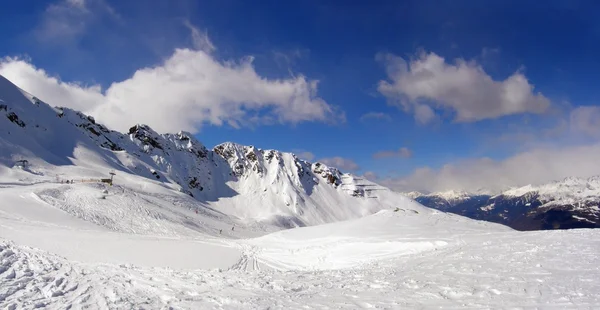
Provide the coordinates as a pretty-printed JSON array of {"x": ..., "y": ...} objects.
[
  {"x": 279, "y": 185},
  {"x": 145, "y": 137},
  {"x": 332, "y": 175}
]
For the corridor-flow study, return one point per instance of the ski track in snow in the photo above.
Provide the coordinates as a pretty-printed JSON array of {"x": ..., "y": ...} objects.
[{"x": 482, "y": 273}]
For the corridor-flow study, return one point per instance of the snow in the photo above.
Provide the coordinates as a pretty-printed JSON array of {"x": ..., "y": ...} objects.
[
  {"x": 184, "y": 227},
  {"x": 283, "y": 190},
  {"x": 489, "y": 207},
  {"x": 385, "y": 260},
  {"x": 569, "y": 189},
  {"x": 581, "y": 218},
  {"x": 453, "y": 195},
  {"x": 413, "y": 194}
]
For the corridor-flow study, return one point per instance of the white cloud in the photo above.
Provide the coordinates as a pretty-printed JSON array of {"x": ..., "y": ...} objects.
[
  {"x": 402, "y": 152},
  {"x": 189, "y": 89},
  {"x": 464, "y": 87},
  {"x": 586, "y": 120},
  {"x": 344, "y": 164},
  {"x": 488, "y": 52},
  {"x": 424, "y": 114},
  {"x": 371, "y": 176},
  {"x": 68, "y": 19},
  {"x": 308, "y": 156},
  {"x": 200, "y": 39},
  {"x": 530, "y": 167},
  {"x": 49, "y": 88},
  {"x": 375, "y": 116},
  {"x": 288, "y": 58},
  {"x": 62, "y": 20}
]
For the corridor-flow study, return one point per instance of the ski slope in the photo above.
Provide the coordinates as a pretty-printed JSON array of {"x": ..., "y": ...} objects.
[{"x": 54, "y": 258}]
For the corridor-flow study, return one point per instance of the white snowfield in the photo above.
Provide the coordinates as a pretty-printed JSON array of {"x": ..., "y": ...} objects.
[
  {"x": 404, "y": 259},
  {"x": 184, "y": 227}
]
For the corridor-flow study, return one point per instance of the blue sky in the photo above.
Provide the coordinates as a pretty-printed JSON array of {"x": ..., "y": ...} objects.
[{"x": 513, "y": 88}]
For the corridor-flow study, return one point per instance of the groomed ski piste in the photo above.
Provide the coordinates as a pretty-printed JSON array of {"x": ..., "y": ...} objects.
[{"x": 269, "y": 236}]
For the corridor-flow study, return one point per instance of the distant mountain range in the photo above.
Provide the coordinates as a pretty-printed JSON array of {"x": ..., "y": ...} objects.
[{"x": 569, "y": 203}]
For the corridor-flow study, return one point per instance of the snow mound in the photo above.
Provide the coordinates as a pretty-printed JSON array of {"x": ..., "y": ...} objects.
[{"x": 361, "y": 242}]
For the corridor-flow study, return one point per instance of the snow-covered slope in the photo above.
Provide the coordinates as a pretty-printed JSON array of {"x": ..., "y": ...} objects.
[
  {"x": 388, "y": 260},
  {"x": 243, "y": 182}
]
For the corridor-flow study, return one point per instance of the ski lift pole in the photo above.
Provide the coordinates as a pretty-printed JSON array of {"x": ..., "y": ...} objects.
[{"x": 112, "y": 174}]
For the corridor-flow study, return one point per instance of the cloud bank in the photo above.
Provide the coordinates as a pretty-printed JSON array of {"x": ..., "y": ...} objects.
[
  {"x": 531, "y": 167},
  {"x": 586, "y": 120},
  {"x": 344, "y": 164},
  {"x": 429, "y": 82},
  {"x": 187, "y": 90},
  {"x": 305, "y": 155}
]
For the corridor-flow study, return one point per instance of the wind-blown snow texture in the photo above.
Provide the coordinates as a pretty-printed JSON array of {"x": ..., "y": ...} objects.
[{"x": 184, "y": 227}]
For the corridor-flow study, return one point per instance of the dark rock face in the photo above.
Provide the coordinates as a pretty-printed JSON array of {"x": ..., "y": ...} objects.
[
  {"x": 194, "y": 183},
  {"x": 526, "y": 212},
  {"x": 558, "y": 218},
  {"x": 332, "y": 175},
  {"x": 15, "y": 119},
  {"x": 251, "y": 156},
  {"x": 111, "y": 145},
  {"x": 89, "y": 124},
  {"x": 223, "y": 152},
  {"x": 146, "y": 135},
  {"x": 358, "y": 192}
]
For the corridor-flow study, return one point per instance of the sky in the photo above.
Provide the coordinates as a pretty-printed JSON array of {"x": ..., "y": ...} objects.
[{"x": 415, "y": 95}]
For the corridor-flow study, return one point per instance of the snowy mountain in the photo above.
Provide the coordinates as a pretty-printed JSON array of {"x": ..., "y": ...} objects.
[
  {"x": 440, "y": 200},
  {"x": 569, "y": 203},
  {"x": 244, "y": 182}
]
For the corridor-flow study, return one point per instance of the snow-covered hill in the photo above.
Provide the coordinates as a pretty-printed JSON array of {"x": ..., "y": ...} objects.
[
  {"x": 569, "y": 203},
  {"x": 244, "y": 182}
]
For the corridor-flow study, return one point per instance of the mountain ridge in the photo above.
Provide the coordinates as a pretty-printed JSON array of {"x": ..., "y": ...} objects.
[
  {"x": 278, "y": 186},
  {"x": 562, "y": 204}
]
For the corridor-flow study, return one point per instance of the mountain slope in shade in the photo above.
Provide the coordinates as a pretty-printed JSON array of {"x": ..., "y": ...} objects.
[
  {"x": 244, "y": 182},
  {"x": 570, "y": 203}
]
